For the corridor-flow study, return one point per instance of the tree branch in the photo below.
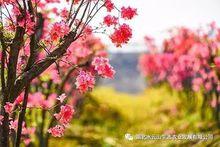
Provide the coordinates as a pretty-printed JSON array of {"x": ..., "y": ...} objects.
[
  {"x": 22, "y": 116},
  {"x": 33, "y": 42},
  {"x": 41, "y": 66},
  {"x": 13, "y": 59},
  {"x": 77, "y": 11},
  {"x": 3, "y": 62}
]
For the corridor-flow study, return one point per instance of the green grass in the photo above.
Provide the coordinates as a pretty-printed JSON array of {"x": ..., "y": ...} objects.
[{"x": 105, "y": 116}]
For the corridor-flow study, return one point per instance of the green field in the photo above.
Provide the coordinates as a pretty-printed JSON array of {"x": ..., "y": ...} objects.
[{"x": 105, "y": 116}]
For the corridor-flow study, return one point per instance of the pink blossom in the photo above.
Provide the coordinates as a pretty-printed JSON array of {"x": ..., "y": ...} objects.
[
  {"x": 85, "y": 81},
  {"x": 57, "y": 131},
  {"x": 27, "y": 23},
  {"x": 169, "y": 132},
  {"x": 64, "y": 13},
  {"x": 65, "y": 115},
  {"x": 82, "y": 52},
  {"x": 1, "y": 119},
  {"x": 59, "y": 30},
  {"x": 110, "y": 20},
  {"x": 156, "y": 66},
  {"x": 8, "y": 107},
  {"x": 200, "y": 50},
  {"x": 27, "y": 131},
  {"x": 27, "y": 141},
  {"x": 63, "y": 37},
  {"x": 18, "y": 100},
  {"x": 218, "y": 88},
  {"x": 103, "y": 67},
  {"x": 61, "y": 97},
  {"x": 208, "y": 86},
  {"x": 190, "y": 61},
  {"x": 37, "y": 100},
  {"x": 128, "y": 13},
  {"x": 197, "y": 82},
  {"x": 109, "y": 5},
  {"x": 217, "y": 62},
  {"x": 121, "y": 35},
  {"x": 213, "y": 103},
  {"x": 13, "y": 125}
]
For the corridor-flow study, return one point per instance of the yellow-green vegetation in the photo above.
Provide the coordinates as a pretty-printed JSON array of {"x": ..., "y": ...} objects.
[{"x": 105, "y": 116}]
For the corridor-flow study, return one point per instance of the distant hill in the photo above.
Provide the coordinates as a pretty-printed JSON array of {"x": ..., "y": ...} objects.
[{"x": 127, "y": 78}]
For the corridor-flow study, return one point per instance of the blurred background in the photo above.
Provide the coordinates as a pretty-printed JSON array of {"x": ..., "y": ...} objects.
[
  {"x": 128, "y": 104},
  {"x": 155, "y": 18}
]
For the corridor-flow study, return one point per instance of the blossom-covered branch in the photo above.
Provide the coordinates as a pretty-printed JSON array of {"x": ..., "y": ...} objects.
[{"x": 35, "y": 36}]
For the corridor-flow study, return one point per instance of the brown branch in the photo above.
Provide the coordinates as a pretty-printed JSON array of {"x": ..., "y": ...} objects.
[
  {"x": 13, "y": 59},
  {"x": 77, "y": 11},
  {"x": 31, "y": 60},
  {"x": 89, "y": 20},
  {"x": 4, "y": 138},
  {"x": 22, "y": 116},
  {"x": 33, "y": 42},
  {"x": 65, "y": 78},
  {"x": 84, "y": 13},
  {"x": 70, "y": 11},
  {"x": 25, "y": 6},
  {"x": 19, "y": 5},
  {"x": 43, "y": 116},
  {"x": 40, "y": 67},
  {"x": 39, "y": 27},
  {"x": 4, "y": 47}
]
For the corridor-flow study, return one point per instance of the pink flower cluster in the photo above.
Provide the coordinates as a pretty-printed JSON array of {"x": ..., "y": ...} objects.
[
  {"x": 8, "y": 107},
  {"x": 103, "y": 68},
  {"x": 26, "y": 131},
  {"x": 64, "y": 117},
  {"x": 121, "y": 35},
  {"x": 27, "y": 23},
  {"x": 110, "y": 20},
  {"x": 189, "y": 59},
  {"x": 57, "y": 131},
  {"x": 37, "y": 100},
  {"x": 109, "y": 5},
  {"x": 86, "y": 80},
  {"x": 59, "y": 30},
  {"x": 128, "y": 13}
]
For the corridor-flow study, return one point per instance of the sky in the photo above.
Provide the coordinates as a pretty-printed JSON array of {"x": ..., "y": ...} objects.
[{"x": 155, "y": 17}]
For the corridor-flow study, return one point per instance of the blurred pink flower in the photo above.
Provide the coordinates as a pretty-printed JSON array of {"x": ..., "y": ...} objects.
[
  {"x": 1, "y": 119},
  {"x": 8, "y": 107},
  {"x": 57, "y": 131}
]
